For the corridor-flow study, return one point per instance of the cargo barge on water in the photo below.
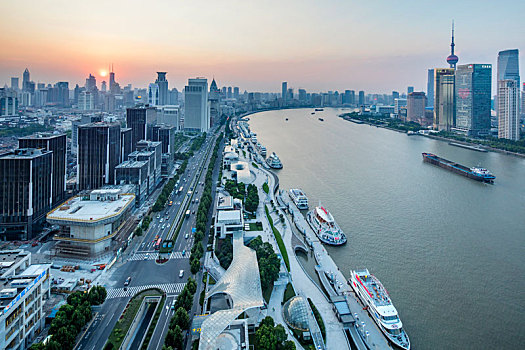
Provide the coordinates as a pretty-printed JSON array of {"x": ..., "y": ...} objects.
[{"x": 475, "y": 173}]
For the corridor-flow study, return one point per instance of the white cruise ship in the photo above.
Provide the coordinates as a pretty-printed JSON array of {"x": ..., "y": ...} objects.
[
  {"x": 299, "y": 198},
  {"x": 274, "y": 162},
  {"x": 325, "y": 227},
  {"x": 375, "y": 297},
  {"x": 261, "y": 149}
]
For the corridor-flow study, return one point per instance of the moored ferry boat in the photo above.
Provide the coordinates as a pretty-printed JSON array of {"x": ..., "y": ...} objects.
[
  {"x": 375, "y": 297},
  {"x": 274, "y": 162},
  {"x": 325, "y": 227},
  {"x": 299, "y": 198}
]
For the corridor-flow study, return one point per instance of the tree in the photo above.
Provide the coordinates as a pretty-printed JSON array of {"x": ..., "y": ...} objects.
[
  {"x": 177, "y": 337},
  {"x": 270, "y": 337},
  {"x": 191, "y": 285},
  {"x": 53, "y": 345},
  {"x": 181, "y": 318},
  {"x": 195, "y": 266}
]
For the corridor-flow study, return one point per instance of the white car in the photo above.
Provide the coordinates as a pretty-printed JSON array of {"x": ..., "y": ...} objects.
[{"x": 181, "y": 273}]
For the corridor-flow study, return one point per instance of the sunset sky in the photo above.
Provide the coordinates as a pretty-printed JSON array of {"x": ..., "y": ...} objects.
[{"x": 375, "y": 45}]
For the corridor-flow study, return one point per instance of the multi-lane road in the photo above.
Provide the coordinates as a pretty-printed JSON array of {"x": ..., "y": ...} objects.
[{"x": 139, "y": 259}]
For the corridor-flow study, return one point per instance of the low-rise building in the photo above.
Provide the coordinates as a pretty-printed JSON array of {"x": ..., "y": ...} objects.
[
  {"x": 89, "y": 222},
  {"x": 228, "y": 218},
  {"x": 24, "y": 288}
]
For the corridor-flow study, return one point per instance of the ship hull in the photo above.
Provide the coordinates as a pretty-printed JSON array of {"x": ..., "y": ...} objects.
[
  {"x": 323, "y": 240},
  {"x": 455, "y": 168}
]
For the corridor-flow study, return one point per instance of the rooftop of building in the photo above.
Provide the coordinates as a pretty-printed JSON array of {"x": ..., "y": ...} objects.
[
  {"x": 42, "y": 135},
  {"x": 10, "y": 258},
  {"x": 11, "y": 288},
  {"x": 99, "y": 205},
  {"x": 25, "y": 153},
  {"x": 224, "y": 201},
  {"x": 130, "y": 164},
  {"x": 229, "y": 216}
]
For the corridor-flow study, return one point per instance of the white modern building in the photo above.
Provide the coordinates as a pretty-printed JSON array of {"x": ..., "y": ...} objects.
[
  {"x": 196, "y": 107},
  {"x": 89, "y": 222},
  {"x": 228, "y": 217},
  {"x": 86, "y": 101},
  {"x": 153, "y": 94},
  {"x": 508, "y": 110},
  {"x": 24, "y": 288}
]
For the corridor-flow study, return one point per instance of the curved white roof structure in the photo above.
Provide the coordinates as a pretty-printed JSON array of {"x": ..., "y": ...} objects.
[{"x": 242, "y": 283}]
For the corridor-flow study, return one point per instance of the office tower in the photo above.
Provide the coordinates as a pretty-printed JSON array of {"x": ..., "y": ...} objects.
[
  {"x": 98, "y": 154},
  {"x": 452, "y": 59},
  {"x": 85, "y": 119},
  {"x": 166, "y": 135},
  {"x": 169, "y": 115},
  {"x": 62, "y": 93},
  {"x": 416, "y": 102},
  {"x": 410, "y": 89},
  {"x": 173, "y": 97},
  {"x": 112, "y": 81},
  {"x": 290, "y": 95},
  {"x": 196, "y": 109},
  {"x": 284, "y": 90},
  {"x": 236, "y": 92},
  {"x": 473, "y": 88},
  {"x": 25, "y": 192},
  {"x": 162, "y": 83},
  {"x": 430, "y": 88},
  {"x": 103, "y": 86},
  {"x": 214, "y": 102},
  {"x": 444, "y": 96},
  {"x": 55, "y": 143},
  {"x": 141, "y": 120},
  {"x": 91, "y": 83},
  {"x": 8, "y": 103},
  {"x": 523, "y": 101},
  {"x": 508, "y": 65},
  {"x": 508, "y": 110},
  {"x": 86, "y": 101},
  {"x": 14, "y": 83},
  {"x": 302, "y": 95},
  {"x": 361, "y": 101},
  {"x": 26, "y": 80},
  {"x": 153, "y": 94},
  {"x": 395, "y": 95},
  {"x": 230, "y": 92},
  {"x": 125, "y": 144}
]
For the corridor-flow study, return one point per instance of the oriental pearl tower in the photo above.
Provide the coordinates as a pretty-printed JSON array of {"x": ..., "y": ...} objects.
[{"x": 452, "y": 59}]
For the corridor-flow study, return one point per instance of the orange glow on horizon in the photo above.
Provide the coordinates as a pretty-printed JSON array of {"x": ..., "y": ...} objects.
[{"x": 103, "y": 73}]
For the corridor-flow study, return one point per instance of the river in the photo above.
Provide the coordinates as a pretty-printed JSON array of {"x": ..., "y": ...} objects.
[{"x": 450, "y": 250}]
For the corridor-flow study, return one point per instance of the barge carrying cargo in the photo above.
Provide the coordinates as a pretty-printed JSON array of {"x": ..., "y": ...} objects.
[{"x": 475, "y": 173}]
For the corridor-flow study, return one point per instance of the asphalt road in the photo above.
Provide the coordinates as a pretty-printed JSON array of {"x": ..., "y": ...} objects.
[{"x": 138, "y": 262}]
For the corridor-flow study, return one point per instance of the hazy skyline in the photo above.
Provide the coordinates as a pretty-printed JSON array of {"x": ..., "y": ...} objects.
[{"x": 375, "y": 46}]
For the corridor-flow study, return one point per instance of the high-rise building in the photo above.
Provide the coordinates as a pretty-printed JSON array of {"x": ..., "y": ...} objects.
[
  {"x": 508, "y": 110},
  {"x": 444, "y": 99},
  {"x": 86, "y": 101},
  {"x": 473, "y": 91},
  {"x": 141, "y": 120},
  {"x": 98, "y": 154},
  {"x": 173, "y": 97},
  {"x": 85, "y": 119},
  {"x": 8, "y": 103},
  {"x": 430, "y": 88},
  {"x": 169, "y": 115},
  {"x": 103, "y": 86},
  {"x": 15, "y": 83},
  {"x": 26, "y": 80},
  {"x": 302, "y": 95},
  {"x": 230, "y": 93},
  {"x": 55, "y": 143},
  {"x": 508, "y": 65},
  {"x": 284, "y": 90},
  {"x": 410, "y": 89},
  {"x": 153, "y": 94},
  {"x": 91, "y": 83},
  {"x": 125, "y": 143},
  {"x": 361, "y": 100},
  {"x": 162, "y": 83},
  {"x": 25, "y": 192},
  {"x": 196, "y": 108},
  {"x": 112, "y": 82},
  {"x": 214, "y": 97},
  {"x": 452, "y": 59},
  {"x": 395, "y": 95},
  {"x": 523, "y": 101},
  {"x": 290, "y": 94},
  {"x": 236, "y": 92},
  {"x": 399, "y": 103},
  {"x": 416, "y": 102},
  {"x": 62, "y": 93}
]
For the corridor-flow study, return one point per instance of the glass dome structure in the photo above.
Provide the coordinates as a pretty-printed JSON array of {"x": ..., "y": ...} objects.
[{"x": 295, "y": 313}]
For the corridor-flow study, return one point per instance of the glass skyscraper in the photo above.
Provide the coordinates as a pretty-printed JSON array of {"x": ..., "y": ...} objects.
[
  {"x": 473, "y": 95},
  {"x": 508, "y": 65},
  {"x": 444, "y": 110}
]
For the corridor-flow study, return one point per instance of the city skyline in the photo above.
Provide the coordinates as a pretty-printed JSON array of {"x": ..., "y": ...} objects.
[{"x": 373, "y": 47}]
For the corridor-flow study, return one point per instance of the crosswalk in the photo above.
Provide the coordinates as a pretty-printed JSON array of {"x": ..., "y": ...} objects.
[
  {"x": 152, "y": 255},
  {"x": 168, "y": 288}
]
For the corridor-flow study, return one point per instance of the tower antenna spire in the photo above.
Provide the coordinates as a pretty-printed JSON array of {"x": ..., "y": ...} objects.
[{"x": 452, "y": 59}]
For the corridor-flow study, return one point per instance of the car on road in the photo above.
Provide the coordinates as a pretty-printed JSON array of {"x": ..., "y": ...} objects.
[
  {"x": 181, "y": 273},
  {"x": 187, "y": 236},
  {"x": 128, "y": 280},
  {"x": 173, "y": 304},
  {"x": 158, "y": 216},
  {"x": 163, "y": 227},
  {"x": 193, "y": 212},
  {"x": 184, "y": 252}
]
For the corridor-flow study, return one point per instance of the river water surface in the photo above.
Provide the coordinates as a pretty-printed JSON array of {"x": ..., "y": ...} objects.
[{"x": 450, "y": 250}]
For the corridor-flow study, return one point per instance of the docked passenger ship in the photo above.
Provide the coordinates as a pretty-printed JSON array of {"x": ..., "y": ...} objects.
[
  {"x": 299, "y": 198},
  {"x": 375, "y": 297},
  {"x": 274, "y": 162},
  {"x": 325, "y": 227}
]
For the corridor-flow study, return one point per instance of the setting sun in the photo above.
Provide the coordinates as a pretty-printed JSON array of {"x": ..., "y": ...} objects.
[{"x": 103, "y": 73}]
